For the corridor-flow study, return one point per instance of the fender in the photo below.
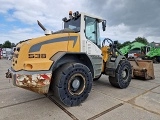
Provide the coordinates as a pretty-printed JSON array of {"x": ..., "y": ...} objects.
[{"x": 64, "y": 57}]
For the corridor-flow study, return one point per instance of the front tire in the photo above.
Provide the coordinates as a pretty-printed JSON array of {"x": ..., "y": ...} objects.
[
  {"x": 123, "y": 75},
  {"x": 72, "y": 83}
]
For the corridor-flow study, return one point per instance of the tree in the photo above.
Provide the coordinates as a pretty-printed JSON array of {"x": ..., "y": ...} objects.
[
  {"x": 0, "y": 45},
  {"x": 119, "y": 45},
  {"x": 125, "y": 44},
  {"x": 6, "y": 44},
  {"x": 141, "y": 40},
  {"x": 13, "y": 45}
]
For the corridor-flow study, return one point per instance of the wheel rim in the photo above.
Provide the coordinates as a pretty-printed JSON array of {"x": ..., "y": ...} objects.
[
  {"x": 125, "y": 74},
  {"x": 76, "y": 84}
]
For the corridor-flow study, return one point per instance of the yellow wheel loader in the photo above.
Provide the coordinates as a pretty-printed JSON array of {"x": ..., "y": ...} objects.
[{"x": 66, "y": 62}]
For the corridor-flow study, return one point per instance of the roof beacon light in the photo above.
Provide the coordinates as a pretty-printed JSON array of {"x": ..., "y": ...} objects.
[
  {"x": 70, "y": 15},
  {"x": 70, "y": 12}
]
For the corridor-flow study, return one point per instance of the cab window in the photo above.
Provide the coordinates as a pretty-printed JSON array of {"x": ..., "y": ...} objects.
[{"x": 92, "y": 30}]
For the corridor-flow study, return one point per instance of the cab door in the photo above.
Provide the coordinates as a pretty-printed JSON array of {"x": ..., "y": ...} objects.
[{"x": 93, "y": 43}]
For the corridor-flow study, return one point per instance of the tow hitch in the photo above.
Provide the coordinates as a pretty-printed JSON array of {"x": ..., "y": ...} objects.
[{"x": 8, "y": 74}]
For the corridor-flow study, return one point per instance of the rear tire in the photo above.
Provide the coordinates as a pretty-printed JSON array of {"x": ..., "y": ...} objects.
[
  {"x": 72, "y": 83},
  {"x": 123, "y": 75}
]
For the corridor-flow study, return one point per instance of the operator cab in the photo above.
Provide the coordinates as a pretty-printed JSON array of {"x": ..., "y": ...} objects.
[
  {"x": 73, "y": 22},
  {"x": 86, "y": 25}
]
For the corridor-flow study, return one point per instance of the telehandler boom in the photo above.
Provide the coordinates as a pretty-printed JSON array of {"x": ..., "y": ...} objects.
[{"x": 67, "y": 61}]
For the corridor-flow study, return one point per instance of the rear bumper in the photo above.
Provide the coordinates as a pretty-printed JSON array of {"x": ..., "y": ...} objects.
[{"x": 38, "y": 82}]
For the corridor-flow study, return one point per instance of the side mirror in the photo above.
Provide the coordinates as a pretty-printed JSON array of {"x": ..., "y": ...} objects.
[{"x": 104, "y": 25}]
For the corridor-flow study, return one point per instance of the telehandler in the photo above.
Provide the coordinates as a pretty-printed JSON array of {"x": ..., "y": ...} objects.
[{"x": 67, "y": 61}]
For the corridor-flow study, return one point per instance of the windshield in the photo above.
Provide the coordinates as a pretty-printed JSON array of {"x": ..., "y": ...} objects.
[{"x": 73, "y": 24}]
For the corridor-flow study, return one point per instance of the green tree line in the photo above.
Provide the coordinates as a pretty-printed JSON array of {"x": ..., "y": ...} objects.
[
  {"x": 138, "y": 39},
  {"x": 7, "y": 44}
]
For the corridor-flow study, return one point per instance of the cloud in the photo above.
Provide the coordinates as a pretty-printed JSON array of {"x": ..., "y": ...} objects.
[
  {"x": 48, "y": 12},
  {"x": 140, "y": 16},
  {"x": 20, "y": 30},
  {"x": 19, "y": 34},
  {"x": 126, "y": 20}
]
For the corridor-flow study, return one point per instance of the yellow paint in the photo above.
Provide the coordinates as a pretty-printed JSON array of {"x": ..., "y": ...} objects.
[
  {"x": 48, "y": 49},
  {"x": 105, "y": 53},
  {"x": 37, "y": 65},
  {"x": 76, "y": 48}
]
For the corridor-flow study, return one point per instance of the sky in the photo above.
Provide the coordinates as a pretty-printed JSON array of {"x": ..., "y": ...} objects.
[{"x": 126, "y": 19}]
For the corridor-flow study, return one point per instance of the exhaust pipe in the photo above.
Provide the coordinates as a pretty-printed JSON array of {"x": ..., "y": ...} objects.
[{"x": 46, "y": 32}]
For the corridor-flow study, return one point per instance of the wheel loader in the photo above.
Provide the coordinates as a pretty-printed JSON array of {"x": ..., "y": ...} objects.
[
  {"x": 141, "y": 58},
  {"x": 66, "y": 62}
]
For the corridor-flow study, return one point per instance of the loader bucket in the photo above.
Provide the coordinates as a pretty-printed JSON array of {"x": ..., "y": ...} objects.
[{"x": 142, "y": 69}]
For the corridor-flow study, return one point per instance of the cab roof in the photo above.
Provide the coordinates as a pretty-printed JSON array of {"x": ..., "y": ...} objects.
[{"x": 93, "y": 16}]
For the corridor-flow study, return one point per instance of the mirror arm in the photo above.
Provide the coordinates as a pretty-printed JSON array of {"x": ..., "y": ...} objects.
[{"x": 104, "y": 25}]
